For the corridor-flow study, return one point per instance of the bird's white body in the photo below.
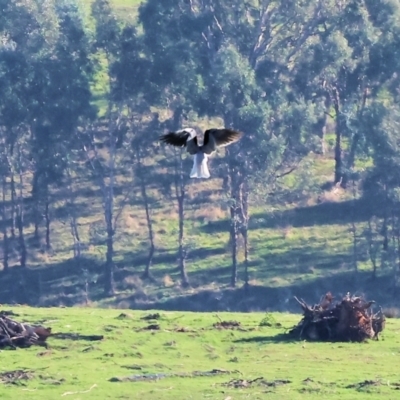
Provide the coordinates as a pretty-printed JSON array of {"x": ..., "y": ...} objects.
[{"x": 200, "y": 167}]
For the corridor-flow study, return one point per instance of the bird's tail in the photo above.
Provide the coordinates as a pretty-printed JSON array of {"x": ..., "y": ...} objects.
[{"x": 200, "y": 167}]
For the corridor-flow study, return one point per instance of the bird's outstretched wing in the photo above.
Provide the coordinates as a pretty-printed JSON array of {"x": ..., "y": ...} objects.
[
  {"x": 182, "y": 138},
  {"x": 178, "y": 139},
  {"x": 222, "y": 137}
]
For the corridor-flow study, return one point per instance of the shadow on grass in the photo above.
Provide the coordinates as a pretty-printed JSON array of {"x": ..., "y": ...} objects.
[
  {"x": 64, "y": 284},
  {"x": 322, "y": 214},
  {"x": 270, "y": 299},
  {"x": 278, "y": 338}
]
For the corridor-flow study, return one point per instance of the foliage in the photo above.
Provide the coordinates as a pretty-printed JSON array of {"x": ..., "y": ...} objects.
[{"x": 286, "y": 73}]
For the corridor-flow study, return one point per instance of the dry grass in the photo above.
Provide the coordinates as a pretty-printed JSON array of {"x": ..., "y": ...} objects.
[
  {"x": 168, "y": 281},
  {"x": 210, "y": 213},
  {"x": 334, "y": 195}
]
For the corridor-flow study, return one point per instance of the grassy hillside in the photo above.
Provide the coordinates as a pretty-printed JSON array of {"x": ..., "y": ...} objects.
[
  {"x": 188, "y": 358},
  {"x": 301, "y": 242}
]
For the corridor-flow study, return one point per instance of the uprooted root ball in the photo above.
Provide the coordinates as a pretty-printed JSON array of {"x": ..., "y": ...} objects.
[{"x": 351, "y": 319}]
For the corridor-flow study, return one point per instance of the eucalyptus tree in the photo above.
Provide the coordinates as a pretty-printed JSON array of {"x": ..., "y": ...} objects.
[
  {"x": 34, "y": 35},
  {"x": 345, "y": 66},
  {"x": 59, "y": 102},
  {"x": 381, "y": 187},
  {"x": 117, "y": 49}
]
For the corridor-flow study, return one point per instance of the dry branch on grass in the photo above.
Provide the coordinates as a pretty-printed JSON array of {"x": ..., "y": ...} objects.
[
  {"x": 14, "y": 334},
  {"x": 351, "y": 319}
]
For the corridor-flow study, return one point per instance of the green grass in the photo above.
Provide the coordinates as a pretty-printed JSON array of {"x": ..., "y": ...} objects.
[{"x": 79, "y": 369}]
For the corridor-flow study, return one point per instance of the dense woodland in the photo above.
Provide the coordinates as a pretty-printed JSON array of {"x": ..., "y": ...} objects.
[{"x": 85, "y": 96}]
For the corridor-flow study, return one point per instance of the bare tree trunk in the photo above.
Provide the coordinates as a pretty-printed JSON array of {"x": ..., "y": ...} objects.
[
  {"x": 36, "y": 208},
  {"x": 47, "y": 218},
  {"x": 77, "y": 240},
  {"x": 234, "y": 238},
  {"x": 354, "y": 229},
  {"x": 385, "y": 244},
  {"x": 108, "y": 214},
  {"x": 338, "y": 142},
  {"x": 5, "y": 236},
  {"x": 320, "y": 125},
  {"x": 147, "y": 273},
  {"x": 20, "y": 216},
  {"x": 234, "y": 228},
  {"x": 13, "y": 207},
  {"x": 180, "y": 196},
  {"x": 109, "y": 267},
  {"x": 73, "y": 221},
  {"x": 355, "y": 140},
  {"x": 244, "y": 207},
  {"x": 372, "y": 249}
]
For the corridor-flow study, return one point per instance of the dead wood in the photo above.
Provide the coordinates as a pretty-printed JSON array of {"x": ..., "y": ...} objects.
[
  {"x": 350, "y": 319},
  {"x": 226, "y": 324},
  {"x": 77, "y": 336},
  {"x": 14, "y": 334}
]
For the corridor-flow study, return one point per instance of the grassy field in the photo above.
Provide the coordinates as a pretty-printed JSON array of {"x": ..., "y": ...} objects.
[{"x": 189, "y": 358}]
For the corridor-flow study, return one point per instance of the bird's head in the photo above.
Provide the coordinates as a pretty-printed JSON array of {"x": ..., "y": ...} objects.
[{"x": 192, "y": 132}]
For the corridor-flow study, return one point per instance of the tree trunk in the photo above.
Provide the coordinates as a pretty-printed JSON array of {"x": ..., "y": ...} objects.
[
  {"x": 20, "y": 221},
  {"x": 244, "y": 194},
  {"x": 146, "y": 273},
  {"x": 13, "y": 207},
  {"x": 234, "y": 228},
  {"x": 72, "y": 220},
  {"x": 181, "y": 248},
  {"x": 180, "y": 193},
  {"x": 234, "y": 238},
  {"x": 109, "y": 267},
  {"x": 108, "y": 211},
  {"x": 180, "y": 196},
  {"x": 5, "y": 236},
  {"x": 77, "y": 241},
  {"x": 355, "y": 141},
  {"x": 338, "y": 142},
  {"x": 47, "y": 218},
  {"x": 36, "y": 207}
]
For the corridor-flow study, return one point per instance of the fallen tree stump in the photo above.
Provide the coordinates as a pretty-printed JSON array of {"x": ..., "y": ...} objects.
[
  {"x": 349, "y": 320},
  {"x": 14, "y": 334}
]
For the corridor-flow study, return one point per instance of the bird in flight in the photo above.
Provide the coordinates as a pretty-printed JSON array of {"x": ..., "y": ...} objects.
[{"x": 213, "y": 139}]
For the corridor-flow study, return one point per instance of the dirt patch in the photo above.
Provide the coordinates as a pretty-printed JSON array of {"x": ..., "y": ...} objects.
[
  {"x": 227, "y": 325},
  {"x": 363, "y": 384},
  {"x": 151, "y": 327},
  {"x": 151, "y": 317},
  {"x": 15, "y": 377},
  {"x": 158, "y": 376},
  {"x": 184, "y": 330},
  {"x": 244, "y": 383},
  {"x": 124, "y": 316}
]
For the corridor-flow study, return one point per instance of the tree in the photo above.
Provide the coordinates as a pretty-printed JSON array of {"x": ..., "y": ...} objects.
[
  {"x": 60, "y": 101},
  {"x": 110, "y": 133},
  {"x": 142, "y": 148},
  {"x": 345, "y": 66}
]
